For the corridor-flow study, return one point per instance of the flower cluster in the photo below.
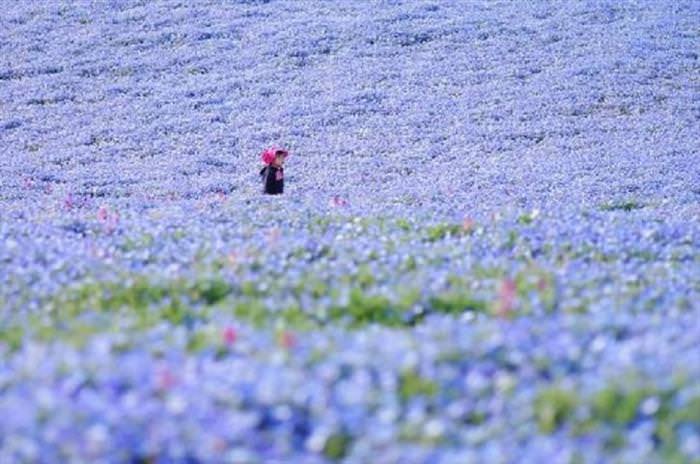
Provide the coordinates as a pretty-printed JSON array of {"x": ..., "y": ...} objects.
[{"x": 487, "y": 249}]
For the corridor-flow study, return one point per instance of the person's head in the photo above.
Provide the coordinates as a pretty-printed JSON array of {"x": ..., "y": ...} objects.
[
  {"x": 275, "y": 156},
  {"x": 280, "y": 156}
]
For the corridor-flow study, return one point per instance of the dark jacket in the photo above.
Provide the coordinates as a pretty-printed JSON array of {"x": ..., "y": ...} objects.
[{"x": 273, "y": 179}]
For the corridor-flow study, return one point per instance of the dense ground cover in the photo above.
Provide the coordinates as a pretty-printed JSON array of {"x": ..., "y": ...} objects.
[{"x": 487, "y": 249}]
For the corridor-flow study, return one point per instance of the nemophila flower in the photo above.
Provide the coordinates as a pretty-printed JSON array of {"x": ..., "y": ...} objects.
[{"x": 403, "y": 358}]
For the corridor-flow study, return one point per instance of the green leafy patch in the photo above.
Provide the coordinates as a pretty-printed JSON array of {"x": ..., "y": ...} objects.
[
  {"x": 456, "y": 302},
  {"x": 441, "y": 231},
  {"x": 363, "y": 309},
  {"x": 617, "y": 406},
  {"x": 337, "y": 446},
  {"x": 411, "y": 384},
  {"x": 553, "y": 406}
]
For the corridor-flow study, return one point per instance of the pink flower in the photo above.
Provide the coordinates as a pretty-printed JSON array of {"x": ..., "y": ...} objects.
[
  {"x": 109, "y": 221},
  {"x": 337, "y": 201},
  {"x": 219, "y": 445},
  {"x": 287, "y": 340},
  {"x": 468, "y": 224},
  {"x": 274, "y": 235},
  {"x": 506, "y": 298},
  {"x": 230, "y": 336},
  {"x": 102, "y": 214},
  {"x": 165, "y": 379},
  {"x": 69, "y": 202}
]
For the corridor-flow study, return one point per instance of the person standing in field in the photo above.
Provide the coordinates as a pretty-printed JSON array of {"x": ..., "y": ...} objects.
[{"x": 272, "y": 174}]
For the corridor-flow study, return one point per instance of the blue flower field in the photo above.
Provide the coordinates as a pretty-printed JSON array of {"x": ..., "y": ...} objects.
[{"x": 487, "y": 249}]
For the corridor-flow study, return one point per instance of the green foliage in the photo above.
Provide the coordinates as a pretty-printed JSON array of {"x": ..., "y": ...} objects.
[
  {"x": 526, "y": 219},
  {"x": 481, "y": 272},
  {"x": 131, "y": 243},
  {"x": 475, "y": 418},
  {"x": 175, "y": 312},
  {"x": 295, "y": 317},
  {"x": 689, "y": 414},
  {"x": 410, "y": 264},
  {"x": 403, "y": 224},
  {"x": 211, "y": 291},
  {"x": 642, "y": 255},
  {"x": 411, "y": 384},
  {"x": 617, "y": 406},
  {"x": 669, "y": 419},
  {"x": 456, "y": 302},
  {"x": 197, "y": 341},
  {"x": 178, "y": 234},
  {"x": 512, "y": 240},
  {"x": 365, "y": 309},
  {"x": 317, "y": 287},
  {"x": 141, "y": 292},
  {"x": 252, "y": 311},
  {"x": 322, "y": 222},
  {"x": 365, "y": 277},
  {"x": 615, "y": 441},
  {"x": 143, "y": 301},
  {"x": 337, "y": 446},
  {"x": 11, "y": 337},
  {"x": 553, "y": 406},
  {"x": 441, "y": 231},
  {"x": 408, "y": 297},
  {"x": 249, "y": 289}
]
